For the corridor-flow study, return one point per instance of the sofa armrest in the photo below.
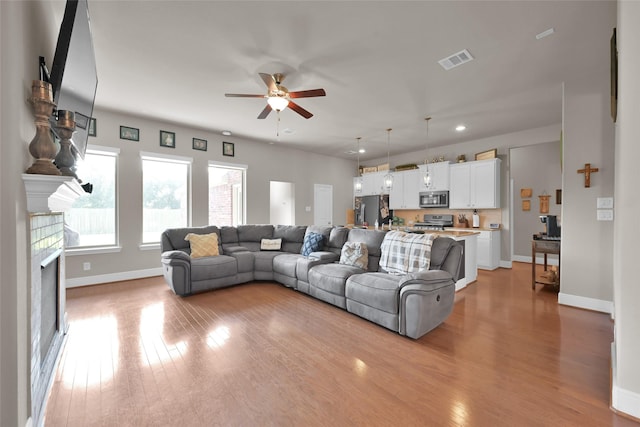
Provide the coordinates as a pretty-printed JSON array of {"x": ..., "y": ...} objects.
[
  {"x": 324, "y": 256},
  {"x": 171, "y": 255},
  {"x": 245, "y": 260},
  {"x": 426, "y": 280},
  {"x": 176, "y": 269},
  {"x": 234, "y": 249},
  {"x": 305, "y": 264}
]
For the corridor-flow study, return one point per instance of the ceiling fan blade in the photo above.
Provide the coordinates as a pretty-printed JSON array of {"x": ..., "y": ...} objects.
[
  {"x": 269, "y": 81},
  {"x": 243, "y": 95},
  {"x": 298, "y": 109},
  {"x": 265, "y": 112},
  {"x": 307, "y": 93}
]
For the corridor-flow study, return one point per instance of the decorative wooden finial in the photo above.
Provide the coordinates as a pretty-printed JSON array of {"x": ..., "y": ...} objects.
[{"x": 587, "y": 171}]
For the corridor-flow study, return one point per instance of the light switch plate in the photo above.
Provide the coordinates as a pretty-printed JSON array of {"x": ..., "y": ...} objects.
[
  {"x": 604, "y": 203},
  {"x": 605, "y": 214}
]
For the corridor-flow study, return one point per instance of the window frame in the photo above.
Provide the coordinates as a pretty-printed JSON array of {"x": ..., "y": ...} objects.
[
  {"x": 237, "y": 166},
  {"x": 167, "y": 158},
  {"x": 110, "y": 248}
]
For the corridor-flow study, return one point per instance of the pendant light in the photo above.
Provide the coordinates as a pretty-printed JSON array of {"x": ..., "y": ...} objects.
[
  {"x": 388, "y": 178},
  {"x": 357, "y": 185},
  {"x": 426, "y": 178}
]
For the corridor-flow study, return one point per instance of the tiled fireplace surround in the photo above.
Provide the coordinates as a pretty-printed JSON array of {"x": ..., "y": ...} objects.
[
  {"x": 48, "y": 197},
  {"x": 47, "y": 246}
]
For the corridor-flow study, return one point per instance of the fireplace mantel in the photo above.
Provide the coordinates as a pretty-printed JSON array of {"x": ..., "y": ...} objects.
[{"x": 50, "y": 193}]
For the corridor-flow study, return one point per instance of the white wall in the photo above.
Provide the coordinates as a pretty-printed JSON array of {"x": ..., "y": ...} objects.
[
  {"x": 626, "y": 375},
  {"x": 537, "y": 167},
  {"x": 265, "y": 162},
  {"x": 25, "y": 33}
]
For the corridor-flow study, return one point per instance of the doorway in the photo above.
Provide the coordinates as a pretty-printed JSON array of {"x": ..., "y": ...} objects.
[
  {"x": 282, "y": 203},
  {"x": 323, "y": 204}
]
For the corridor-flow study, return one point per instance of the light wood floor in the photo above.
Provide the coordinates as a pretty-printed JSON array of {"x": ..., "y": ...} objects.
[{"x": 264, "y": 355}]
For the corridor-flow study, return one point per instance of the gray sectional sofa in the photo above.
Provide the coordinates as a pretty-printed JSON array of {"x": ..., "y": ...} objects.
[{"x": 411, "y": 304}]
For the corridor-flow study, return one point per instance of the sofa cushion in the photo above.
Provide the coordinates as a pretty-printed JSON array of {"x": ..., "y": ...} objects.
[
  {"x": 376, "y": 290},
  {"x": 250, "y": 236},
  {"x": 292, "y": 237},
  {"x": 332, "y": 277},
  {"x": 403, "y": 253},
  {"x": 312, "y": 243},
  {"x": 373, "y": 239},
  {"x": 270, "y": 244},
  {"x": 356, "y": 254},
  {"x": 286, "y": 263},
  {"x": 263, "y": 260},
  {"x": 213, "y": 268},
  {"x": 173, "y": 238},
  {"x": 203, "y": 245}
]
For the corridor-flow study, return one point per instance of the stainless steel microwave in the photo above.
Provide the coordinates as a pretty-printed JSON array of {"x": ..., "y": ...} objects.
[{"x": 434, "y": 199}]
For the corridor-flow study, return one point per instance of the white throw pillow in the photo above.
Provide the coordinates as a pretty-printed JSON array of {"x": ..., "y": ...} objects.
[
  {"x": 270, "y": 244},
  {"x": 356, "y": 254}
]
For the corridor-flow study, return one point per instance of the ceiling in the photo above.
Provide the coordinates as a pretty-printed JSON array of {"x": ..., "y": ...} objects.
[{"x": 377, "y": 61}]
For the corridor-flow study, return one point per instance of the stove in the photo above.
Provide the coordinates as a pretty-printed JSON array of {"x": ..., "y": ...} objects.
[{"x": 434, "y": 222}]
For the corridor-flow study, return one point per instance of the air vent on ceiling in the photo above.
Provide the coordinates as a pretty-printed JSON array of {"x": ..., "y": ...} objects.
[{"x": 455, "y": 60}]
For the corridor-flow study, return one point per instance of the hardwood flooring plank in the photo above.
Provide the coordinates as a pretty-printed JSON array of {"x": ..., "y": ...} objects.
[{"x": 261, "y": 354}]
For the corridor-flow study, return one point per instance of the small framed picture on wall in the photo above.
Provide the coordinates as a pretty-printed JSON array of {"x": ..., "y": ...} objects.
[
  {"x": 167, "y": 139},
  {"x": 199, "y": 144},
  {"x": 92, "y": 127},
  {"x": 132, "y": 134},
  {"x": 228, "y": 149}
]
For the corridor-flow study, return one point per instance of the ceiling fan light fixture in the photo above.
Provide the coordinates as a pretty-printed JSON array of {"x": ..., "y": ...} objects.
[{"x": 278, "y": 103}]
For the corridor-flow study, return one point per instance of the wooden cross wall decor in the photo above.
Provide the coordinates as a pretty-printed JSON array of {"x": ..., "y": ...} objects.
[{"x": 587, "y": 171}]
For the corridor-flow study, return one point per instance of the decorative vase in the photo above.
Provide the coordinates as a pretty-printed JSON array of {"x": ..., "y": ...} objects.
[
  {"x": 42, "y": 146},
  {"x": 66, "y": 158}
]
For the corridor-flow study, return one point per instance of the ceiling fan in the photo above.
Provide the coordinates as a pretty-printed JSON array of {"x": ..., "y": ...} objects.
[{"x": 279, "y": 97}]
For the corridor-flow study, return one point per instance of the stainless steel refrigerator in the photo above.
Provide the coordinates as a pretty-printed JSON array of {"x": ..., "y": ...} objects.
[{"x": 368, "y": 209}]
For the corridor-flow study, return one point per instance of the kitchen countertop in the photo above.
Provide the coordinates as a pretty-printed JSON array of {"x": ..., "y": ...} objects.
[
  {"x": 457, "y": 232},
  {"x": 472, "y": 229}
]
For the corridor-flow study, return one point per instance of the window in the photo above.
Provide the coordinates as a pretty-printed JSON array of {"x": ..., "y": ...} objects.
[
  {"x": 165, "y": 194},
  {"x": 91, "y": 221},
  {"x": 226, "y": 194}
]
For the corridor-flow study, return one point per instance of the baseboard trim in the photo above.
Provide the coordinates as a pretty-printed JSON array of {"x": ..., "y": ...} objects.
[
  {"x": 506, "y": 264},
  {"x": 539, "y": 260},
  {"x": 622, "y": 401},
  {"x": 586, "y": 303},
  {"x": 113, "y": 277}
]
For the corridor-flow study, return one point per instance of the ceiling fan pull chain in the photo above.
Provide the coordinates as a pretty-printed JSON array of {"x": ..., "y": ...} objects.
[{"x": 278, "y": 127}]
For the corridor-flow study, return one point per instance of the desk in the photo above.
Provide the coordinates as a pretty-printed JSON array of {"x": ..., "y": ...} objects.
[{"x": 545, "y": 247}]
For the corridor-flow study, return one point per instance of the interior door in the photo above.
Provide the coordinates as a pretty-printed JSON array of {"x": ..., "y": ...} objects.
[
  {"x": 282, "y": 203},
  {"x": 322, "y": 204}
]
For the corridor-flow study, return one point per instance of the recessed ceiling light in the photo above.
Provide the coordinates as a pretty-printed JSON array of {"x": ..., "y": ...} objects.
[
  {"x": 362, "y": 150},
  {"x": 226, "y": 132},
  {"x": 545, "y": 33},
  {"x": 460, "y": 128}
]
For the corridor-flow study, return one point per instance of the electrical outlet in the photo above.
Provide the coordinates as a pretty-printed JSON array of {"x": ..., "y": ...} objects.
[
  {"x": 86, "y": 266},
  {"x": 307, "y": 208}
]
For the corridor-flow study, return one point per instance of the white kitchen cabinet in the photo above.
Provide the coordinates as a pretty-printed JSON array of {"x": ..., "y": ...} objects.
[
  {"x": 405, "y": 193},
  {"x": 372, "y": 184},
  {"x": 439, "y": 176},
  {"x": 489, "y": 249},
  {"x": 475, "y": 185}
]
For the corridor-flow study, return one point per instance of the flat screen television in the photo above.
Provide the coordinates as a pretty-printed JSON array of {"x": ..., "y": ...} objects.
[{"x": 73, "y": 73}]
